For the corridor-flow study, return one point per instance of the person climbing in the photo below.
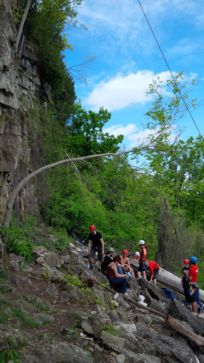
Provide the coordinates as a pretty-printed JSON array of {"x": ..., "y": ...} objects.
[
  {"x": 142, "y": 259},
  {"x": 154, "y": 270},
  {"x": 117, "y": 280},
  {"x": 194, "y": 290},
  {"x": 125, "y": 262},
  {"x": 95, "y": 244},
  {"x": 185, "y": 281},
  {"x": 108, "y": 258}
]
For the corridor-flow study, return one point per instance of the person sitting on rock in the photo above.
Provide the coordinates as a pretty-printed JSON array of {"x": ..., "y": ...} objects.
[
  {"x": 154, "y": 270},
  {"x": 117, "y": 280},
  {"x": 95, "y": 244},
  {"x": 142, "y": 259},
  {"x": 108, "y": 258},
  {"x": 125, "y": 262}
]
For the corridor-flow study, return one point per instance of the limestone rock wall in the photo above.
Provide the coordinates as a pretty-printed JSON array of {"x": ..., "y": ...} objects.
[{"x": 20, "y": 85}]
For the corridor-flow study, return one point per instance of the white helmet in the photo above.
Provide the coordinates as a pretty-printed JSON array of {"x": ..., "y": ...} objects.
[
  {"x": 137, "y": 254},
  {"x": 141, "y": 242}
]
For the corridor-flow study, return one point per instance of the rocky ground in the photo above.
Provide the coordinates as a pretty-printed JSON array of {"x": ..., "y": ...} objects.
[{"x": 55, "y": 310}]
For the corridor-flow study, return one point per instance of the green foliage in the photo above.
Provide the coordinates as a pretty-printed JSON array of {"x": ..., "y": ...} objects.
[
  {"x": 45, "y": 27},
  {"x": 74, "y": 280},
  {"x": 9, "y": 355},
  {"x": 17, "y": 239},
  {"x": 25, "y": 318},
  {"x": 3, "y": 318},
  {"x": 39, "y": 304},
  {"x": 87, "y": 135},
  {"x": 111, "y": 330}
]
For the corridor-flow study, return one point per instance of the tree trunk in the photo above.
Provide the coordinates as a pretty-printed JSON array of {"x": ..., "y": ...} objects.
[{"x": 23, "y": 20}]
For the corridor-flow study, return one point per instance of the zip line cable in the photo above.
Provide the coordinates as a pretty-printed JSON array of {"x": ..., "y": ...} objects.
[{"x": 167, "y": 64}]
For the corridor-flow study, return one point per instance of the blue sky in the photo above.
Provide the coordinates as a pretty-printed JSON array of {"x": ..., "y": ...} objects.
[{"x": 115, "y": 58}]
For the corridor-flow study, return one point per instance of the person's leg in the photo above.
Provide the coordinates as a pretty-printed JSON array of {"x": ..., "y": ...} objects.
[
  {"x": 92, "y": 253},
  {"x": 143, "y": 267},
  {"x": 140, "y": 269},
  {"x": 194, "y": 307},
  {"x": 155, "y": 277},
  {"x": 119, "y": 283},
  {"x": 100, "y": 255}
]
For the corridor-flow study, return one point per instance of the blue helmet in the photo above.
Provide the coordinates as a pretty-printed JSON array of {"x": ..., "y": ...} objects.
[{"x": 193, "y": 259}]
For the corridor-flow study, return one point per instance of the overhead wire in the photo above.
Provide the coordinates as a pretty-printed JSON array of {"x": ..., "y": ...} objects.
[{"x": 168, "y": 66}]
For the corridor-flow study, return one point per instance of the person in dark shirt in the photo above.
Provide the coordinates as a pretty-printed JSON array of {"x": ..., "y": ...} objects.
[
  {"x": 185, "y": 281},
  {"x": 95, "y": 244},
  {"x": 108, "y": 258}
]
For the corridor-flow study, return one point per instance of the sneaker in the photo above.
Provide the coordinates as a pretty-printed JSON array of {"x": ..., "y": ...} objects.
[
  {"x": 116, "y": 295},
  {"x": 126, "y": 293}
]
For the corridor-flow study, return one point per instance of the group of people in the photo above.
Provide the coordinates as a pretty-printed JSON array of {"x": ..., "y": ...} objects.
[
  {"x": 117, "y": 268},
  {"x": 189, "y": 283}
]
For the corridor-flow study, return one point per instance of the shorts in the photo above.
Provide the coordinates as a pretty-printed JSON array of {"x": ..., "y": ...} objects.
[
  {"x": 194, "y": 297},
  {"x": 94, "y": 250},
  {"x": 142, "y": 267}
]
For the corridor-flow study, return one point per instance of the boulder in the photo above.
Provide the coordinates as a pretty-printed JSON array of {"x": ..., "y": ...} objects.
[
  {"x": 15, "y": 261},
  {"x": 179, "y": 311},
  {"x": 131, "y": 357},
  {"x": 52, "y": 259},
  {"x": 57, "y": 352},
  {"x": 113, "y": 342}
]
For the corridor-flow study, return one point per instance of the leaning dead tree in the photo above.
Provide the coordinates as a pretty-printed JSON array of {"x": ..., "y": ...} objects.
[
  {"x": 23, "y": 20},
  {"x": 26, "y": 180}
]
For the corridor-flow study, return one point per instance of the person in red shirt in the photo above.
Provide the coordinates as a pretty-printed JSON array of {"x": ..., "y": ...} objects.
[
  {"x": 154, "y": 270},
  {"x": 193, "y": 276},
  {"x": 193, "y": 270}
]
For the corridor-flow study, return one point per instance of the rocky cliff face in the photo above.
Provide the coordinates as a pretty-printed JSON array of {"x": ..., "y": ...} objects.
[{"x": 20, "y": 85}]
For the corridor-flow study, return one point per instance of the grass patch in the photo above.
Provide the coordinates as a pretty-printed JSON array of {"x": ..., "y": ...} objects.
[
  {"x": 110, "y": 329},
  {"x": 74, "y": 280},
  {"x": 39, "y": 304},
  {"x": 25, "y": 318},
  {"x": 3, "y": 319},
  {"x": 8, "y": 355},
  {"x": 3, "y": 274}
]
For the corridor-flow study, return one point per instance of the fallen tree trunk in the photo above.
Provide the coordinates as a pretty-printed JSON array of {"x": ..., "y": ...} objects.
[
  {"x": 172, "y": 281},
  {"x": 182, "y": 328},
  {"x": 179, "y": 326},
  {"x": 168, "y": 279}
]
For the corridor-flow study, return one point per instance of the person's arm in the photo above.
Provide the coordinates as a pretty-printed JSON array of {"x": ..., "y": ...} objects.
[
  {"x": 116, "y": 272},
  {"x": 144, "y": 253},
  {"x": 102, "y": 246},
  {"x": 151, "y": 272},
  {"x": 89, "y": 246},
  {"x": 129, "y": 265}
]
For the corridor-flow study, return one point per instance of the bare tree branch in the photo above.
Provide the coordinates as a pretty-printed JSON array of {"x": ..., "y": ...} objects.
[{"x": 23, "y": 20}]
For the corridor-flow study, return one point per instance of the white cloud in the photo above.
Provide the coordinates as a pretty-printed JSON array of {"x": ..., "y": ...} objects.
[
  {"x": 135, "y": 136},
  {"x": 125, "y": 23},
  {"x": 125, "y": 130},
  {"x": 123, "y": 90}
]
